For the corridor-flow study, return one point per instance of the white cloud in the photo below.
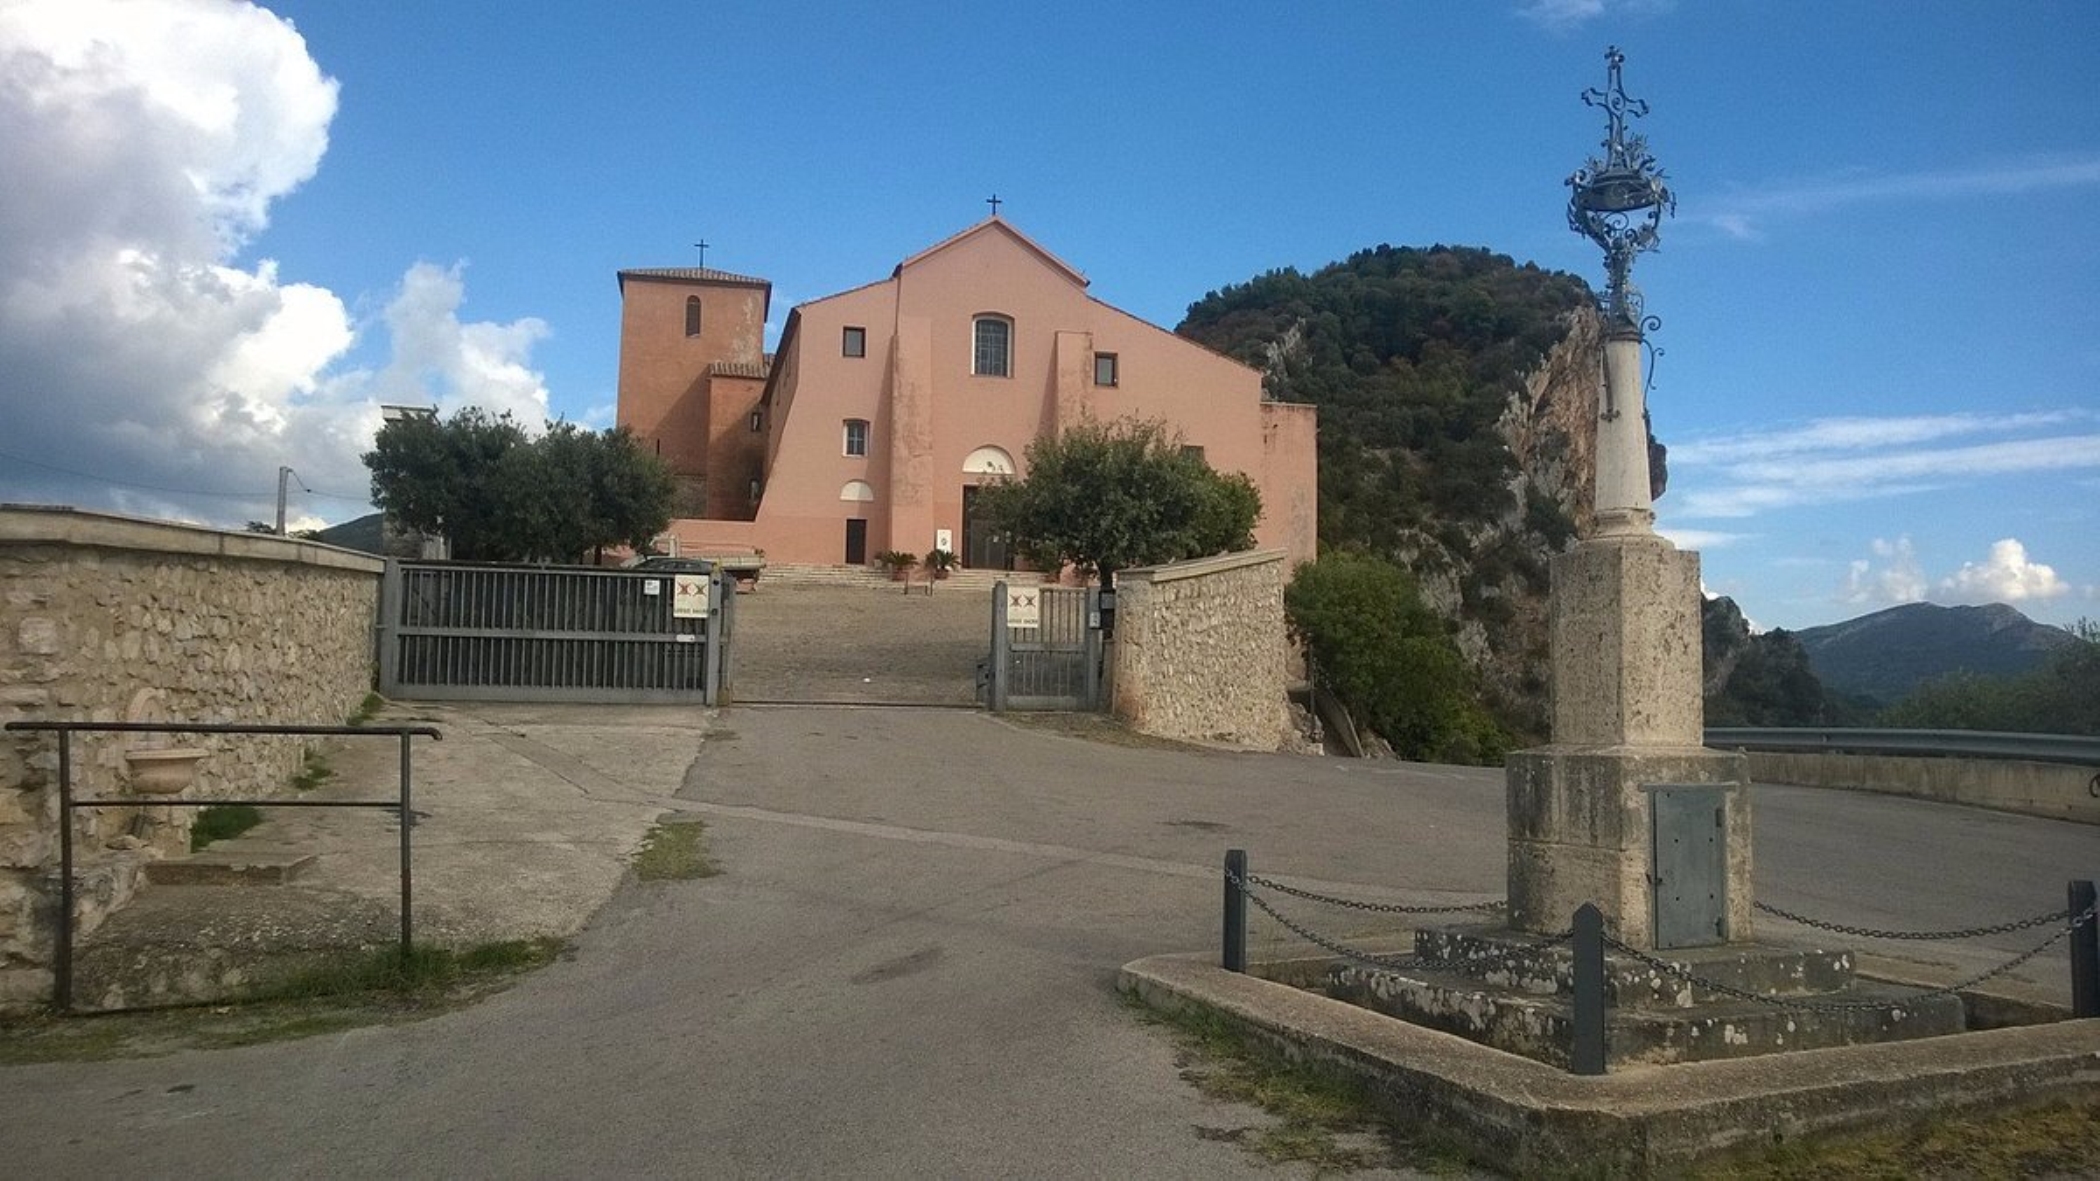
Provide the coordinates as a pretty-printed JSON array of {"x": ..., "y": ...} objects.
[
  {"x": 1897, "y": 579},
  {"x": 1560, "y": 16},
  {"x": 1701, "y": 539},
  {"x": 1833, "y": 460},
  {"x": 1894, "y": 574},
  {"x": 2007, "y": 576},
  {"x": 146, "y": 142},
  {"x": 1744, "y": 214}
]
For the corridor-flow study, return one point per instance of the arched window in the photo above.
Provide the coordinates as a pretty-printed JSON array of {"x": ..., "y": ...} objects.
[
  {"x": 858, "y": 491},
  {"x": 993, "y": 355},
  {"x": 692, "y": 315}
]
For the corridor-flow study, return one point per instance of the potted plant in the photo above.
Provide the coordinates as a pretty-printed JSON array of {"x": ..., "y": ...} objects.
[
  {"x": 897, "y": 562},
  {"x": 939, "y": 561}
]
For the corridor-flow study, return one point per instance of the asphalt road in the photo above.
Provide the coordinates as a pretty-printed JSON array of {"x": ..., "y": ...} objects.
[{"x": 906, "y": 967}]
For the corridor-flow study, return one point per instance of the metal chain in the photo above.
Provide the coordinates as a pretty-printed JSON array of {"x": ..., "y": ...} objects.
[
  {"x": 1376, "y": 962},
  {"x": 2054, "y": 916},
  {"x": 1382, "y": 963},
  {"x": 1375, "y": 907},
  {"x": 1686, "y": 974}
]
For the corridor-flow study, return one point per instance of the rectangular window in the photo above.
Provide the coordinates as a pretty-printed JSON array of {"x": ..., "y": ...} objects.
[
  {"x": 856, "y": 436},
  {"x": 1104, "y": 369},
  {"x": 993, "y": 355},
  {"x": 856, "y": 342},
  {"x": 1195, "y": 453},
  {"x": 758, "y": 421}
]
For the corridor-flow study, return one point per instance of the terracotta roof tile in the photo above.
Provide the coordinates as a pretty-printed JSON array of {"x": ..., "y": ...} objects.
[
  {"x": 756, "y": 369},
  {"x": 692, "y": 275}
]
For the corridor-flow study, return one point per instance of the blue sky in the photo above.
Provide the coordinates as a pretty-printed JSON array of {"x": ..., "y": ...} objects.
[{"x": 233, "y": 231}]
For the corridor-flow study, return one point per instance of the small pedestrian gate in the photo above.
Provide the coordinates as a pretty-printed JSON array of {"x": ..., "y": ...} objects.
[
  {"x": 461, "y": 631},
  {"x": 1046, "y": 648}
]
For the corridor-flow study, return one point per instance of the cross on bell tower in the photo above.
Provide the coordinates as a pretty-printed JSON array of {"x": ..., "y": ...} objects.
[{"x": 701, "y": 246}]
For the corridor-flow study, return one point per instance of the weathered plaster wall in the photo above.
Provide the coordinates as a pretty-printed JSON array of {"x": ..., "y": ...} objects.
[
  {"x": 105, "y": 617},
  {"x": 1200, "y": 649}
]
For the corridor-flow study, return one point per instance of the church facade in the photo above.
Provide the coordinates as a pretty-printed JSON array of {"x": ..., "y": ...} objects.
[{"x": 886, "y": 406}]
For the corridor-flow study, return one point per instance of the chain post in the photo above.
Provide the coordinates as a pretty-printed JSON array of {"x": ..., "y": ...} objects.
[
  {"x": 1586, "y": 1053},
  {"x": 1235, "y": 910},
  {"x": 2085, "y": 953}
]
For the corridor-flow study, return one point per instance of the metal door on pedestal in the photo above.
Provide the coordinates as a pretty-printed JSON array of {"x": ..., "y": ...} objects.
[{"x": 1689, "y": 870}]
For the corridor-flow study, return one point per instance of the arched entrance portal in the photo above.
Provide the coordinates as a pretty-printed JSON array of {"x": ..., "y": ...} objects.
[{"x": 982, "y": 549}]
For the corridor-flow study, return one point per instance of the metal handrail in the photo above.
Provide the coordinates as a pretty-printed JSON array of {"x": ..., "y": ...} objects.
[
  {"x": 2074, "y": 750},
  {"x": 62, "y": 965}
]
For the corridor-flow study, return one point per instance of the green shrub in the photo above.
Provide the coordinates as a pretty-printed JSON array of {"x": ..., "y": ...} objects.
[{"x": 1390, "y": 659}]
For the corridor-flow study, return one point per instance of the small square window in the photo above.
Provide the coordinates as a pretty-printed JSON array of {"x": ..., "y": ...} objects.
[
  {"x": 1195, "y": 453},
  {"x": 1105, "y": 369},
  {"x": 856, "y": 342},
  {"x": 856, "y": 436}
]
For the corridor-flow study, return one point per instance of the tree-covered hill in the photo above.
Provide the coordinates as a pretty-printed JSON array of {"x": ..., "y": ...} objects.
[{"x": 1455, "y": 438}]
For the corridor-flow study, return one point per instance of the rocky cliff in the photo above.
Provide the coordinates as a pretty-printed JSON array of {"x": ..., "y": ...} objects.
[{"x": 1457, "y": 436}]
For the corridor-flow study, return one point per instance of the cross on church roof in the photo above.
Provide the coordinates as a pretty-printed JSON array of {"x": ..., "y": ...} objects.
[
  {"x": 701, "y": 245},
  {"x": 994, "y": 202}
]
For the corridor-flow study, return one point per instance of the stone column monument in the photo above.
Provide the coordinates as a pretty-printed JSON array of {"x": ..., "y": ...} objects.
[{"x": 1626, "y": 808}]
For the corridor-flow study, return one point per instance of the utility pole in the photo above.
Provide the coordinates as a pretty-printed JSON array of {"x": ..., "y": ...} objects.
[{"x": 284, "y": 476}]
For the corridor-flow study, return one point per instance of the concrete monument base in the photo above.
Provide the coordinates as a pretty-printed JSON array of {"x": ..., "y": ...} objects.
[
  {"x": 1514, "y": 993},
  {"x": 1628, "y": 722},
  {"x": 1582, "y": 829}
]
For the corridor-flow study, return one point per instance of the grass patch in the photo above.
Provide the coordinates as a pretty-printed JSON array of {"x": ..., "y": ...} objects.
[
  {"x": 313, "y": 771},
  {"x": 358, "y": 989},
  {"x": 1324, "y": 1120},
  {"x": 221, "y": 822},
  {"x": 427, "y": 971},
  {"x": 366, "y": 710},
  {"x": 673, "y": 851},
  {"x": 2061, "y": 1140}
]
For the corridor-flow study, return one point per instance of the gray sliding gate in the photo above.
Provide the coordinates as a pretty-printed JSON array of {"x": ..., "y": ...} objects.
[
  {"x": 1052, "y": 659},
  {"x": 466, "y": 632}
]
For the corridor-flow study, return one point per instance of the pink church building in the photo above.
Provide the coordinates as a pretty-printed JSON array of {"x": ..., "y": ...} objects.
[{"x": 885, "y": 407}]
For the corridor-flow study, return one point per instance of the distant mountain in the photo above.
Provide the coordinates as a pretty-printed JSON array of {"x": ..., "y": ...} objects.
[
  {"x": 1885, "y": 655},
  {"x": 1758, "y": 680}
]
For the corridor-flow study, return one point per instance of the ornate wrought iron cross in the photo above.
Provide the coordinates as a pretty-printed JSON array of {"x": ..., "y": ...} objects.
[{"x": 1619, "y": 200}]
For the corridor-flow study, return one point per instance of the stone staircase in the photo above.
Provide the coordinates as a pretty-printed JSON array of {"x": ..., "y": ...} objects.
[{"x": 801, "y": 574}]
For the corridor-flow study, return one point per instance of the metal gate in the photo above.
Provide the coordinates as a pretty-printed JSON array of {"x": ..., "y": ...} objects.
[
  {"x": 459, "y": 631},
  {"x": 1046, "y": 648}
]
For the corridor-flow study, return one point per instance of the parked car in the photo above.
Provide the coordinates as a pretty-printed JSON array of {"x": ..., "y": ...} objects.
[{"x": 661, "y": 564}]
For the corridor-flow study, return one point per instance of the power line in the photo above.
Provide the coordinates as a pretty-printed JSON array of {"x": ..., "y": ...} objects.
[{"x": 52, "y": 467}]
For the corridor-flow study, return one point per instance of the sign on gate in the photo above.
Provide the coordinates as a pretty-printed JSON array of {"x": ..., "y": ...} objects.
[
  {"x": 690, "y": 598},
  {"x": 1024, "y": 607}
]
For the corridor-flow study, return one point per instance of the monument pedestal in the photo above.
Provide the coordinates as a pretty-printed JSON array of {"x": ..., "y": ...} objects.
[
  {"x": 1515, "y": 992},
  {"x": 1627, "y": 808}
]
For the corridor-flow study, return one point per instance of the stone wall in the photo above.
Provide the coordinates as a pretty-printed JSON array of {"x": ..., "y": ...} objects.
[
  {"x": 2058, "y": 791},
  {"x": 1200, "y": 650},
  {"x": 109, "y": 619}
]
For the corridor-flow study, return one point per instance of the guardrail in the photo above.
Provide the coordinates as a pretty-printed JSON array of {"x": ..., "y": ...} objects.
[
  {"x": 62, "y": 960},
  {"x": 2067, "y": 749}
]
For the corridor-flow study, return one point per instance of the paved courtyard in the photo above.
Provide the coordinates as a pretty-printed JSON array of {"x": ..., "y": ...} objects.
[
  {"x": 856, "y": 644},
  {"x": 905, "y": 968}
]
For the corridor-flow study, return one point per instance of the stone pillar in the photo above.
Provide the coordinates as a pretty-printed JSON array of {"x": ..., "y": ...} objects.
[
  {"x": 1628, "y": 715},
  {"x": 1623, "y": 505}
]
